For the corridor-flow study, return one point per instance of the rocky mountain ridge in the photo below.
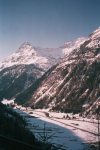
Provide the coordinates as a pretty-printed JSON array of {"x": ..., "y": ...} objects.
[{"x": 43, "y": 58}]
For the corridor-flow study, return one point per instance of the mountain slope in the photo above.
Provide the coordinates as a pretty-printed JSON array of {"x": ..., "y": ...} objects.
[
  {"x": 20, "y": 70},
  {"x": 71, "y": 85}
]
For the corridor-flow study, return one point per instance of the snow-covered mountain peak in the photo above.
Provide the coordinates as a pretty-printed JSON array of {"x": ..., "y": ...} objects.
[
  {"x": 68, "y": 47},
  {"x": 95, "y": 34},
  {"x": 97, "y": 30},
  {"x": 81, "y": 39},
  {"x": 42, "y": 57},
  {"x": 25, "y": 55},
  {"x": 26, "y": 42},
  {"x": 25, "y": 47},
  {"x": 94, "y": 39},
  {"x": 73, "y": 42}
]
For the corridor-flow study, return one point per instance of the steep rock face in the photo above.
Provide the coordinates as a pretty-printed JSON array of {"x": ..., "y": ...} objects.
[
  {"x": 71, "y": 85},
  {"x": 20, "y": 70}
]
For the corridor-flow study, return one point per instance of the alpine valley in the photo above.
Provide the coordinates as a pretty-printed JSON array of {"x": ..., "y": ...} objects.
[{"x": 65, "y": 79}]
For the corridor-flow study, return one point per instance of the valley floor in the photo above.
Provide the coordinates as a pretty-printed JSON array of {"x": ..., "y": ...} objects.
[{"x": 64, "y": 133}]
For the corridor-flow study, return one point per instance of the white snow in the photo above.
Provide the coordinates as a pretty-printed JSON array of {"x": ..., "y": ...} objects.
[
  {"x": 74, "y": 46},
  {"x": 41, "y": 57},
  {"x": 94, "y": 37},
  {"x": 69, "y": 134},
  {"x": 5, "y": 101}
]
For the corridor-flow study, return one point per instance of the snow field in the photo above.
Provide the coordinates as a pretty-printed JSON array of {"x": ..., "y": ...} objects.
[
  {"x": 64, "y": 133},
  {"x": 67, "y": 133}
]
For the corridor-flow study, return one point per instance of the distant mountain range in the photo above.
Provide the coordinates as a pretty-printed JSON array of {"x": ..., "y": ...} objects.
[
  {"x": 43, "y": 58},
  {"x": 65, "y": 79}
]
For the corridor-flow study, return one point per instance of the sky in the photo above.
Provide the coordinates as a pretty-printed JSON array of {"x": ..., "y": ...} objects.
[{"x": 45, "y": 23}]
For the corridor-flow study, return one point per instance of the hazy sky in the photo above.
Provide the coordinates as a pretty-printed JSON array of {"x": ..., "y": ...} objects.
[{"x": 45, "y": 23}]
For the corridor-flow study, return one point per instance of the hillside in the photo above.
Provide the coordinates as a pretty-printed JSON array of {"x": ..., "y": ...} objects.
[{"x": 73, "y": 84}]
